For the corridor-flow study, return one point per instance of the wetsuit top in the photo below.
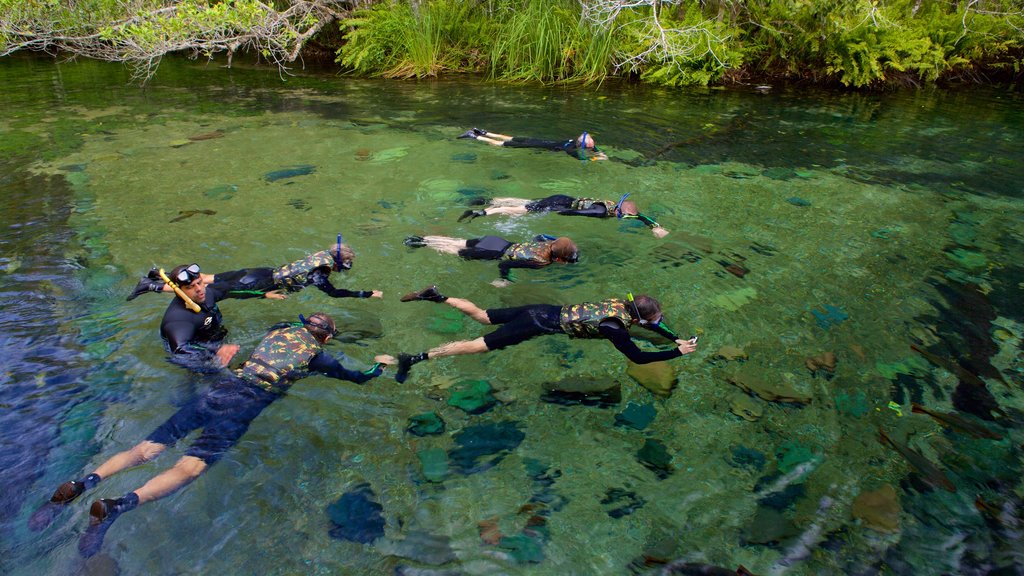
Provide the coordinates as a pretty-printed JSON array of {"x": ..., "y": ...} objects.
[
  {"x": 525, "y": 255},
  {"x": 288, "y": 354},
  {"x": 601, "y": 209},
  {"x": 193, "y": 338},
  {"x": 609, "y": 319},
  {"x": 569, "y": 146},
  {"x": 314, "y": 270}
]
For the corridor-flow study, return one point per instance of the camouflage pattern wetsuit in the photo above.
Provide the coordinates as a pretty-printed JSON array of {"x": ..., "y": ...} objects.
[
  {"x": 313, "y": 270},
  {"x": 521, "y": 255},
  {"x": 225, "y": 411},
  {"x": 608, "y": 319}
]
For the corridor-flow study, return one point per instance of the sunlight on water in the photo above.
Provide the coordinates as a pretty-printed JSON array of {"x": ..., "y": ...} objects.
[{"x": 808, "y": 266}]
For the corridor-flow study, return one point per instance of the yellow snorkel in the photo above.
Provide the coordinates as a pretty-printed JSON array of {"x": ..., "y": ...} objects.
[{"x": 188, "y": 301}]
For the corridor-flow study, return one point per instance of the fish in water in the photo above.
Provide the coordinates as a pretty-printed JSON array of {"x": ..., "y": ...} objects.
[
  {"x": 276, "y": 175},
  {"x": 183, "y": 214},
  {"x": 930, "y": 472},
  {"x": 207, "y": 136},
  {"x": 956, "y": 422},
  {"x": 950, "y": 366}
]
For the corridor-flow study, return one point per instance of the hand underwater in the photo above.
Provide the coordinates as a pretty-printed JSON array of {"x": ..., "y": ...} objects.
[
  {"x": 687, "y": 346},
  {"x": 385, "y": 359},
  {"x": 276, "y": 295}
]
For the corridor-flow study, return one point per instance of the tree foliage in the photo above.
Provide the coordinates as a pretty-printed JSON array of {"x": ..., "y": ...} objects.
[{"x": 674, "y": 42}]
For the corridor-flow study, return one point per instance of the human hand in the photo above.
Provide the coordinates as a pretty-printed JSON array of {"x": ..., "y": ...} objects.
[
  {"x": 599, "y": 156},
  {"x": 686, "y": 346},
  {"x": 659, "y": 232},
  {"x": 501, "y": 283},
  {"x": 376, "y": 294},
  {"x": 385, "y": 359},
  {"x": 276, "y": 295},
  {"x": 225, "y": 353}
]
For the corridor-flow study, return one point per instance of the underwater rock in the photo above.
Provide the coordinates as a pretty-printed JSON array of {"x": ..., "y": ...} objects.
[
  {"x": 733, "y": 301},
  {"x": 769, "y": 527},
  {"x": 302, "y": 170},
  {"x": 823, "y": 364},
  {"x": 523, "y": 548},
  {"x": 967, "y": 258},
  {"x": 356, "y": 516},
  {"x": 362, "y": 155},
  {"x": 222, "y": 192},
  {"x": 477, "y": 442},
  {"x": 779, "y": 173},
  {"x": 434, "y": 464},
  {"x": 362, "y": 326},
  {"x": 465, "y": 157},
  {"x": 402, "y": 570},
  {"x": 854, "y": 404},
  {"x": 751, "y": 379},
  {"x": 658, "y": 377},
  {"x": 741, "y": 172},
  {"x": 207, "y": 136},
  {"x": 655, "y": 457},
  {"x": 426, "y": 424},
  {"x": 636, "y": 416},
  {"x": 422, "y": 547},
  {"x": 389, "y": 155},
  {"x": 878, "y": 509},
  {"x": 179, "y": 143},
  {"x": 490, "y": 533},
  {"x": 797, "y": 201},
  {"x": 628, "y": 499},
  {"x": 745, "y": 407},
  {"x": 829, "y": 316},
  {"x": 601, "y": 393},
  {"x": 730, "y": 353},
  {"x": 183, "y": 214},
  {"x": 743, "y": 457},
  {"x": 472, "y": 396}
]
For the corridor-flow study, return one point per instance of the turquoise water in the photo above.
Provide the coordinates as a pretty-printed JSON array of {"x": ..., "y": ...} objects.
[{"x": 801, "y": 224}]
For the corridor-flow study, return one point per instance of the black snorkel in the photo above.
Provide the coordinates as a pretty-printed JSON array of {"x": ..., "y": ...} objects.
[{"x": 654, "y": 326}]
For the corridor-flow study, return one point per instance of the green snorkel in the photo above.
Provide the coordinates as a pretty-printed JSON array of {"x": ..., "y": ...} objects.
[{"x": 655, "y": 326}]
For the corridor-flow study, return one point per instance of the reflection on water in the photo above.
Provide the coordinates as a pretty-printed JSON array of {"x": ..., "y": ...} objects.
[{"x": 814, "y": 240}]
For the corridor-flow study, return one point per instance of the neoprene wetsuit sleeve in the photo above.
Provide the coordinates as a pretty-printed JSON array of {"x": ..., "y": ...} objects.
[
  {"x": 648, "y": 221},
  {"x": 506, "y": 266},
  {"x": 179, "y": 341},
  {"x": 329, "y": 366},
  {"x": 321, "y": 280},
  {"x": 595, "y": 211},
  {"x": 619, "y": 336}
]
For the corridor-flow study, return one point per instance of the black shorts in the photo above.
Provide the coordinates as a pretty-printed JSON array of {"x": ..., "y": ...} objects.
[
  {"x": 521, "y": 323},
  {"x": 551, "y": 204},
  {"x": 224, "y": 412},
  {"x": 246, "y": 279},
  {"x": 486, "y": 248},
  {"x": 553, "y": 145}
]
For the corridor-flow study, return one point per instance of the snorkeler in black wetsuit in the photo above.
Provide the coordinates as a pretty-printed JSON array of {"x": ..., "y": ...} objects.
[
  {"x": 609, "y": 319},
  {"x": 542, "y": 251},
  {"x": 313, "y": 270},
  {"x": 193, "y": 331},
  {"x": 567, "y": 206},
  {"x": 582, "y": 147}
]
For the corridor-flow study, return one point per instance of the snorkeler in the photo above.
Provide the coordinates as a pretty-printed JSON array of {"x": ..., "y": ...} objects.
[
  {"x": 609, "y": 319},
  {"x": 224, "y": 412},
  {"x": 542, "y": 251},
  {"x": 313, "y": 270},
  {"x": 581, "y": 147},
  {"x": 567, "y": 206}
]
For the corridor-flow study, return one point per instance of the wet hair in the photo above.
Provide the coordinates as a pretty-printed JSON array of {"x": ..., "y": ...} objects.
[
  {"x": 564, "y": 249},
  {"x": 629, "y": 207},
  {"x": 347, "y": 255},
  {"x": 321, "y": 326},
  {"x": 647, "y": 307},
  {"x": 581, "y": 141}
]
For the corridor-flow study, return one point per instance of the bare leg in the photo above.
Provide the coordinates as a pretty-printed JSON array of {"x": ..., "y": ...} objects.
[
  {"x": 507, "y": 201},
  {"x": 469, "y": 309},
  {"x": 492, "y": 140},
  {"x": 445, "y": 244},
  {"x": 456, "y": 348},
  {"x": 139, "y": 454},
  {"x": 185, "y": 470},
  {"x": 506, "y": 211}
]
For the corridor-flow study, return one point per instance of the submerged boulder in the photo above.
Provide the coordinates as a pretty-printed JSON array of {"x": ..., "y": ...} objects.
[
  {"x": 600, "y": 392},
  {"x": 356, "y": 516},
  {"x": 658, "y": 377},
  {"x": 878, "y": 509},
  {"x": 752, "y": 379}
]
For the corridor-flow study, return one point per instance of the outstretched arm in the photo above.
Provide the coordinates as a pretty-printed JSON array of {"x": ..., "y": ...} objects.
[
  {"x": 506, "y": 266},
  {"x": 321, "y": 279},
  {"x": 329, "y": 366},
  {"x": 615, "y": 332}
]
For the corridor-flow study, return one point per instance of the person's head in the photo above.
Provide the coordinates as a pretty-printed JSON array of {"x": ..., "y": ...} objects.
[
  {"x": 649, "y": 310},
  {"x": 586, "y": 142},
  {"x": 627, "y": 208},
  {"x": 321, "y": 326},
  {"x": 565, "y": 250},
  {"x": 190, "y": 281},
  {"x": 343, "y": 256}
]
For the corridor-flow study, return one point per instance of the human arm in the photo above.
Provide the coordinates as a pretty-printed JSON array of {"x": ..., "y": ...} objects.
[
  {"x": 617, "y": 334},
  {"x": 505, "y": 266},
  {"x": 186, "y": 350},
  {"x": 321, "y": 279},
  {"x": 329, "y": 366}
]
